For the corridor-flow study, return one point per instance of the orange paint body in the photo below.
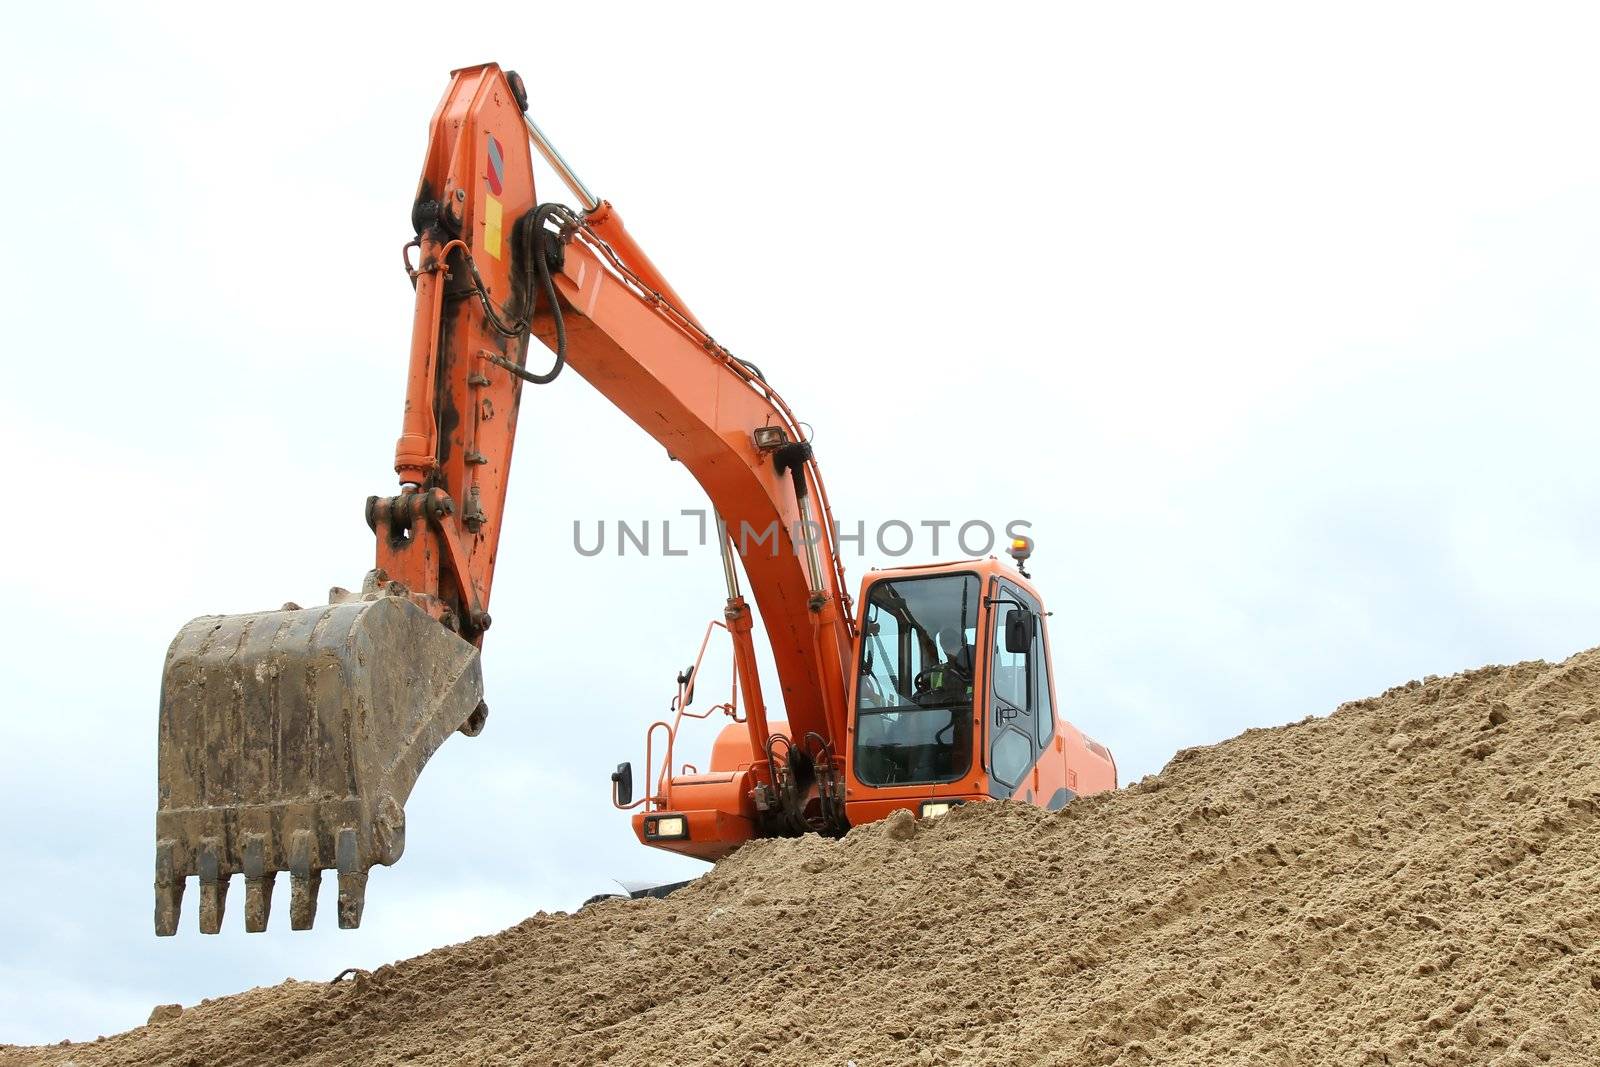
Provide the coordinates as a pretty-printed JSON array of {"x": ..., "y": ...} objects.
[{"x": 630, "y": 336}]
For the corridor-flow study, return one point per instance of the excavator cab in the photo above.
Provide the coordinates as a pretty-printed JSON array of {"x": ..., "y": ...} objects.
[{"x": 937, "y": 723}]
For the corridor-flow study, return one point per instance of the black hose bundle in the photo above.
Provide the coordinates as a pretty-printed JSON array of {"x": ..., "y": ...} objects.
[{"x": 538, "y": 246}]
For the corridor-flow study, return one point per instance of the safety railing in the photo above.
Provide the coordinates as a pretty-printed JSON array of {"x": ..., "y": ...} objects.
[{"x": 658, "y": 797}]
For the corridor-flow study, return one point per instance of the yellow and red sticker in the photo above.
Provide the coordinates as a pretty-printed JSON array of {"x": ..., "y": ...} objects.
[{"x": 493, "y": 210}]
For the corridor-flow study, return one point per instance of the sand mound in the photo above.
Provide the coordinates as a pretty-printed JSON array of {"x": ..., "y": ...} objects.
[{"x": 1415, "y": 879}]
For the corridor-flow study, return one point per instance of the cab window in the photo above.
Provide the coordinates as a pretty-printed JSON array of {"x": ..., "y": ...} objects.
[{"x": 914, "y": 703}]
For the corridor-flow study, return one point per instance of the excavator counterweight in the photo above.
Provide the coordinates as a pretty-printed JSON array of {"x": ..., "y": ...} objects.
[{"x": 290, "y": 740}]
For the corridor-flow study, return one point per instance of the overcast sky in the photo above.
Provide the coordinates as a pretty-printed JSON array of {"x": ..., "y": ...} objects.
[{"x": 1278, "y": 327}]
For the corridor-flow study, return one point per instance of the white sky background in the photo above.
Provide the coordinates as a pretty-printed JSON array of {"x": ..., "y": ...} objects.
[{"x": 1279, "y": 326}]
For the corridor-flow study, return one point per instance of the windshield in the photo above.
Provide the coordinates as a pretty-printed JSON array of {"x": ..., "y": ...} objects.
[{"x": 914, "y": 703}]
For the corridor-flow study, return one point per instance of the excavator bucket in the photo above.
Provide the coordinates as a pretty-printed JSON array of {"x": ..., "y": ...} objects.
[{"x": 290, "y": 741}]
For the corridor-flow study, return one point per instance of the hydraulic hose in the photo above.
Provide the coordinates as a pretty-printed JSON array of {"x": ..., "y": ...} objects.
[{"x": 546, "y": 284}]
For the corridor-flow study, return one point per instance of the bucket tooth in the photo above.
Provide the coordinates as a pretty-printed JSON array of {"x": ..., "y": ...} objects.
[
  {"x": 305, "y": 878},
  {"x": 352, "y": 880},
  {"x": 303, "y": 899},
  {"x": 290, "y": 740},
  {"x": 258, "y": 902},
  {"x": 169, "y": 891},
  {"x": 258, "y": 882},
  {"x": 213, "y": 887}
]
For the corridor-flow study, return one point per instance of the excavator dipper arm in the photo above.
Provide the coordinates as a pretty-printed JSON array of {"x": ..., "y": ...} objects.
[{"x": 291, "y": 739}]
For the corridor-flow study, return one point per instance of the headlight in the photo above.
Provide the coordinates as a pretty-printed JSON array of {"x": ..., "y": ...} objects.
[
  {"x": 666, "y": 827},
  {"x": 770, "y": 438},
  {"x": 932, "y": 808}
]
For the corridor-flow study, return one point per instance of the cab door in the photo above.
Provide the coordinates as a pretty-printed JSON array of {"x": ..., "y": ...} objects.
[
  {"x": 1013, "y": 706},
  {"x": 1054, "y": 782}
]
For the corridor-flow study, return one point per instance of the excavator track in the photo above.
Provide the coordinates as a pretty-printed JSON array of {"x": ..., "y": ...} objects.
[{"x": 290, "y": 741}]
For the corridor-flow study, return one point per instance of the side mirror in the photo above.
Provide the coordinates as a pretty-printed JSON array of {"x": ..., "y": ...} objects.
[
  {"x": 1020, "y": 626},
  {"x": 622, "y": 785}
]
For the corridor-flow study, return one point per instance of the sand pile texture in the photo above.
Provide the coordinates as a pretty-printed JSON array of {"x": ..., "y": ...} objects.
[{"x": 1415, "y": 879}]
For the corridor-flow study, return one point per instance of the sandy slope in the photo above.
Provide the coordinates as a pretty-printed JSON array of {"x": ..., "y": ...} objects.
[{"x": 1415, "y": 879}]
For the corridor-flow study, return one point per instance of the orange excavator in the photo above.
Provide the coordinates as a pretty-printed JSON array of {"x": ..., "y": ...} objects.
[{"x": 290, "y": 739}]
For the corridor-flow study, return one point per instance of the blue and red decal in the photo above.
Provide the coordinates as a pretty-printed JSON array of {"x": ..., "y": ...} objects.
[{"x": 497, "y": 166}]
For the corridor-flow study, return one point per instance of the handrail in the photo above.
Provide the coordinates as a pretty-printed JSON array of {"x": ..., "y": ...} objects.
[{"x": 657, "y": 797}]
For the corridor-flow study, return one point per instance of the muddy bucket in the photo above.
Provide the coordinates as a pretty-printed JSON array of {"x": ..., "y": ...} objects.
[{"x": 290, "y": 740}]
